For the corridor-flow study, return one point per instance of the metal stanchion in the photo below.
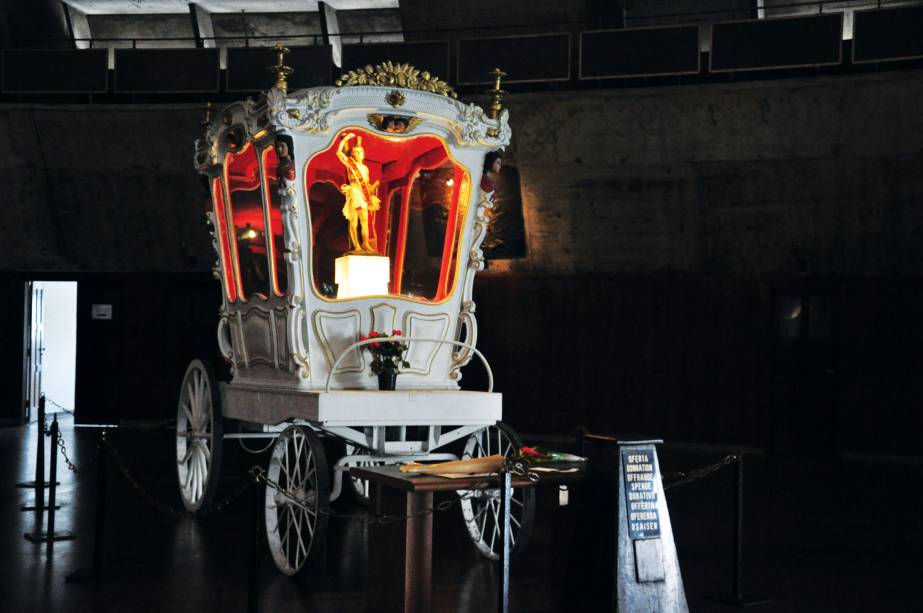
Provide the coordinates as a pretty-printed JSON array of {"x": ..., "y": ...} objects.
[
  {"x": 38, "y": 484},
  {"x": 736, "y": 597},
  {"x": 96, "y": 572},
  {"x": 253, "y": 576},
  {"x": 50, "y": 536},
  {"x": 581, "y": 441},
  {"x": 506, "y": 492}
]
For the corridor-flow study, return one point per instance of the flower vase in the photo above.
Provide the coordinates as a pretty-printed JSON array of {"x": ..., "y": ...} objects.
[{"x": 387, "y": 380}]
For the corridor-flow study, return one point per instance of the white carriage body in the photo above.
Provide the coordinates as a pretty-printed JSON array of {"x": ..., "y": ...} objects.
[
  {"x": 289, "y": 338},
  {"x": 288, "y": 201}
]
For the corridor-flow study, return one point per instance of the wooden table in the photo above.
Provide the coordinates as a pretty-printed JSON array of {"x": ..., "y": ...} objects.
[{"x": 401, "y": 552}]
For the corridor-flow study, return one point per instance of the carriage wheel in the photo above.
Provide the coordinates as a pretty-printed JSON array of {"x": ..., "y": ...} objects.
[
  {"x": 481, "y": 508},
  {"x": 296, "y": 513},
  {"x": 198, "y": 436},
  {"x": 360, "y": 487}
]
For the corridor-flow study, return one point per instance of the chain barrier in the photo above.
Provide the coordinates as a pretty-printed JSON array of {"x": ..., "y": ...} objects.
[
  {"x": 258, "y": 476},
  {"x": 682, "y": 478},
  {"x": 518, "y": 469},
  {"x": 157, "y": 425},
  {"x": 60, "y": 443},
  {"x": 164, "y": 423},
  {"x": 212, "y": 510},
  {"x": 64, "y": 409}
]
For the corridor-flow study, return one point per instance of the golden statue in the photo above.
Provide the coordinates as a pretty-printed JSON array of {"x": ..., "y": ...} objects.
[{"x": 361, "y": 196}]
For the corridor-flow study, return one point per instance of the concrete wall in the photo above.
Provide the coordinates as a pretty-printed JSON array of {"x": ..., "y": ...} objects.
[
  {"x": 166, "y": 25},
  {"x": 293, "y": 28},
  {"x": 288, "y": 28},
  {"x": 491, "y": 18},
  {"x": 797, "y": 177},
  {"x": 95, "y": 188},
  {"x": 639, "y": 13},
  {"x": 371, "y": 20}
]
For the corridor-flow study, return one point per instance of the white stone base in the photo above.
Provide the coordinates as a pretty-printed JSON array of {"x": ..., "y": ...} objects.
[{"x": 362, "y": 275}]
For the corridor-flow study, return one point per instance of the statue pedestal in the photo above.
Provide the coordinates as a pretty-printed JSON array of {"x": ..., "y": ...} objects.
[{"x": 362, "y": 275}]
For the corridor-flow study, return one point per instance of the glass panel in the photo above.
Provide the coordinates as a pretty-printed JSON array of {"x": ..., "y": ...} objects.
[
  {"x": 278, "y": 178},
  {"x": 247, "y": 221},
  {"x": 224, "y": 247},
  {"x": 392, "y": 208}
]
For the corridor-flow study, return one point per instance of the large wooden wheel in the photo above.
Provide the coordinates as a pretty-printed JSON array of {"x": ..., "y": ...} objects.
[
  {"x": 296, "y": 513},
  {"x": 481, "y": 508},
  {"x": 198, "y": 436}
]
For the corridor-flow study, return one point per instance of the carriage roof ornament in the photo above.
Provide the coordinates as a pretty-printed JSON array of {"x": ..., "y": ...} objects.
[
  {"x": 496, "y": 94},
  {"x": 396, "y": 74},
  {"x": 281, "y": 71}
]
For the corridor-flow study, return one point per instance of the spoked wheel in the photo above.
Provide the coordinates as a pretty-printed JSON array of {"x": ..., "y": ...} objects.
[
  {"x": 360, "y": 487},
  {"x": 296, "y": 513},
  {"x": 481, "y": 508},
  {"x": 198, "y": 436}
]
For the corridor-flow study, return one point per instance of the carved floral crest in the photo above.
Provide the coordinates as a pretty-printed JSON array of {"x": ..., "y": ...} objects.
[{"x": 390, "y": 74}]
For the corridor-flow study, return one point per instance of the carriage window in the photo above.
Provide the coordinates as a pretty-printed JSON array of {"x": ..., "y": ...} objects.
[
  {"x": 224, "y": 248},
  {"x": 278, "y": 178},
  {"x": 247, "y": 221},
  {"x": 386, "y": 215}
]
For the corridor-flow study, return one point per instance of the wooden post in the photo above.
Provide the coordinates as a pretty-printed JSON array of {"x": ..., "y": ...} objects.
[{"x": 407, "y": 585}]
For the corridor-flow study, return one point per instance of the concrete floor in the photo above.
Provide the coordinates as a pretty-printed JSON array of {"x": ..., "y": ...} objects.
[{"x": 812, "y": 549}]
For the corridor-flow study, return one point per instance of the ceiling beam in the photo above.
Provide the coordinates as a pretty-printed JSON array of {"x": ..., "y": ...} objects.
[
  {"x": 78, "y": 26},
  {"x": 330, "y": 28},
  {"x": 202, "y": 27}
]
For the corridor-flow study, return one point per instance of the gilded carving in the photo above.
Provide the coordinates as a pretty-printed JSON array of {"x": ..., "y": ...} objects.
[
  {"x": 391, "y": 74},
  {"x": 395, "y": 98},
  {"x": 297, "y": 336},
  {"x": 307, "y": 111},
  {"x": 467, "y": 322},
  {"x": 475, "y": 127},
  {"x": 395, "y": 124}
]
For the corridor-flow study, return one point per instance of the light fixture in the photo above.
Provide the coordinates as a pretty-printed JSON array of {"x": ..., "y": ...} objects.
[{"x": 248, "y": 233}]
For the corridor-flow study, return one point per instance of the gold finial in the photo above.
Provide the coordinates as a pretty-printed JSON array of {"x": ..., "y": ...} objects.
[
  {"x": 496, "y": 94},
  {"x": 282, "y": 71}
]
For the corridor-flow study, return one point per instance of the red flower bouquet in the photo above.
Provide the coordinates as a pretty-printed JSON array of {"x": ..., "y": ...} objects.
[{"x": 387, "y": 355}]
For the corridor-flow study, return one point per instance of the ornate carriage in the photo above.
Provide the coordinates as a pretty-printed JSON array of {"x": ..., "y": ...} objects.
[{"x": 338, "y": 211}]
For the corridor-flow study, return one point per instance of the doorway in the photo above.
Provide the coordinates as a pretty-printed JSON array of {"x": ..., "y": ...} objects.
[{"x": 50, "y": 346}]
